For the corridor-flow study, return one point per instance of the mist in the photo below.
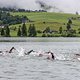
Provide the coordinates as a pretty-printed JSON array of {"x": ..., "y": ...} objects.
[{"x": 68, "y": 6}]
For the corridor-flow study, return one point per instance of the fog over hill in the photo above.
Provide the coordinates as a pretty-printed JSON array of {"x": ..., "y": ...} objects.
[{"x": 70, "y": 6}]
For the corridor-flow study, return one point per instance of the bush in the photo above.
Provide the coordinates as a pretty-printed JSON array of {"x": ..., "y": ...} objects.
[
  {"x": 44, "y": 35},
  {"x": 71, "y": 35},
  {"x": 39, "y": 31},
  {"x": 56, "y": 35}
]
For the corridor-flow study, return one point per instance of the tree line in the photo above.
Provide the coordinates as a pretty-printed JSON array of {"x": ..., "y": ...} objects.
[
  {"x": 21, "y": 32},
  {"x": 5, "y": 32},
  {"x": 69, "y": 32},
  {"x": 19, "y": 10},
  {"x": 7, "y": 18}
]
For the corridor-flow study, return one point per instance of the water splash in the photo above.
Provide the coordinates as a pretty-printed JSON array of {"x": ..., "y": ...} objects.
[{"x": 21, "y": 51}]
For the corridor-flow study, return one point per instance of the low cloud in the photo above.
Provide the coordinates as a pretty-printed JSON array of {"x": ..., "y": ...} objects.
[{"x": 58, "y": 5}]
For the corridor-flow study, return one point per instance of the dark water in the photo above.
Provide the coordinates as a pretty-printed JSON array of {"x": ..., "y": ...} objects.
[{"x": 14, "y": 67}]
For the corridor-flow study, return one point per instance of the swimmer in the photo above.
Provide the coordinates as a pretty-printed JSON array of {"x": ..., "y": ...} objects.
[
  {"x": 35, "y": 53},
  {"x": 77, "y": 56},
  {"x": 50, "y": 55},
  {"x": 29, "y": 52},
  {"x": 10, "y": 51}
]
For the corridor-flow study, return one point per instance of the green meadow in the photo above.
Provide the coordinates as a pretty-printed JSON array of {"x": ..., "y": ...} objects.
[{"x": 42, "y": 20}]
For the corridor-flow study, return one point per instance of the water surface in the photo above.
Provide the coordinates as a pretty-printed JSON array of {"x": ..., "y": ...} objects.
[{"x": 14, "y": 67}]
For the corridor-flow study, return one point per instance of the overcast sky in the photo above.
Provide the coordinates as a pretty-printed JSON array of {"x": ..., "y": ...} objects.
[{"x": 63, "y": 5}]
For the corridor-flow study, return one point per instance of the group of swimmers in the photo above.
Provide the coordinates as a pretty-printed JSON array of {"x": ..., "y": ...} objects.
[
  {"x": 22, "y": 52},
  {"x": 49, "y": 55}
]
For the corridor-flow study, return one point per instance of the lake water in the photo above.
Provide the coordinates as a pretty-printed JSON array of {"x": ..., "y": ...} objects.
[{"x": 65, "y": 67}]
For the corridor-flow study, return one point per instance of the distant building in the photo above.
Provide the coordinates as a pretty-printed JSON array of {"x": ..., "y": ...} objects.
[
  {"x": 2, "y": 26},
  {"x": 51, "y": 31}
]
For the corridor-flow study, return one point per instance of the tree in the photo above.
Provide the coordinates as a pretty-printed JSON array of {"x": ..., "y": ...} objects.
[
  {"x": 68, "y": 26},
  {"x": 1, "y": 22},
  {"x": 77, "y": 13},
  {"x": 7, "y": 31},
  {"x": 79, "y": 30},
  {"x": 24, "y": 30},
  {"x": 0, "y": 15},
  {"x": 60, "y": 30},
  {"x": 19, "y": 31},
  {"x": 7, "y": 18},
  {"x": 32, "y": 31},
  {"x": 47, "y": 30},
  {"x": 70, "y": 21},
  {"x": 44, "y": 35},
  {"x": 2, "y": 32}
]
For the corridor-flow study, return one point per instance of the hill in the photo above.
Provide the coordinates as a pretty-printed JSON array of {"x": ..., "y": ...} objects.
[{"x": 43, "y": 20}]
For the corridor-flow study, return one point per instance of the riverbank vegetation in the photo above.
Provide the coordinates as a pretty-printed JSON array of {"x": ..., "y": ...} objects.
[{"x": 39, "y": 24}]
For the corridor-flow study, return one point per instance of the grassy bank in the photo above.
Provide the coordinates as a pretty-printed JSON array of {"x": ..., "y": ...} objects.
[{"x": 43, "y": 20}]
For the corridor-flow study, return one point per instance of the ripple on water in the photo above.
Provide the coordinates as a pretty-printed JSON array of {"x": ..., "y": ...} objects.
[{"x": 13, "y": 67}]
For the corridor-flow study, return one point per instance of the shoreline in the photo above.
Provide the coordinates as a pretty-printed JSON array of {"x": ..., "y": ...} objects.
[{"x": 39, "y": 39}]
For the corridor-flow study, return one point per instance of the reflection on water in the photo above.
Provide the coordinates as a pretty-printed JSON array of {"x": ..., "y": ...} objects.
[{"x": 13, "y": 67}]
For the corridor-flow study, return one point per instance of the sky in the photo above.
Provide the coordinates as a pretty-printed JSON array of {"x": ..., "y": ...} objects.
[{"x": 67, "y": 6}]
